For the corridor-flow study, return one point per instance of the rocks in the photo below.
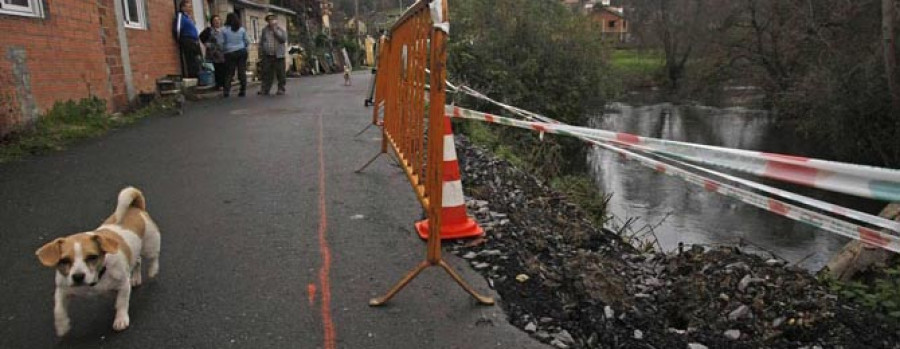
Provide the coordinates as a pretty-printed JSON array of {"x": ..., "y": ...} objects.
[
  {"x": 530, "y": 327},
  {"x": 777, "y": 322},
  {"x": 479, "y": 266},
  {"x": 775, "y": 262},
  {"x": 738, "y": 266},
  {"x": 732, "y": 334},
  {"x": 559, "y": 276},
  {"x": 564, "y": 337},
  {"x": 556, "y": 343},
  {"x": 608, "y": 312},
  {"x": 739, "y": 313}
]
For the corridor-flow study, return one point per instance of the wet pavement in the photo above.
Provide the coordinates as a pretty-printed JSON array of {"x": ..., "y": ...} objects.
[{"x": 251, "y": 195}]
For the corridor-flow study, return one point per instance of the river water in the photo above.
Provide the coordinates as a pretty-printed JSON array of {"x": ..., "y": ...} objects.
[{"x": 682, "y": 212}]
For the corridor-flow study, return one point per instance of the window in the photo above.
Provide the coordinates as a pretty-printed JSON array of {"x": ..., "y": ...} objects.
[
  {"x": 254, "y": 29},
  {"x": 28, "y": 8},
  {"x": 612, "y": 24},
  {"x": 133, "y": 12}
]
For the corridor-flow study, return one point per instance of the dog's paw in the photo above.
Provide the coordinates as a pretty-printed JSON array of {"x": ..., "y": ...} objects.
[
  {"x": 136, "y": 279},
  {"x": 62, "y": 327},
  {"x": 153, "y": 270},
  {"x": 121, "y": 322}
]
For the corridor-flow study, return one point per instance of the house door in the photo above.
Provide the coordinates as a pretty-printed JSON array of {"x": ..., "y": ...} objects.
[{"x": 199, "y": 14}]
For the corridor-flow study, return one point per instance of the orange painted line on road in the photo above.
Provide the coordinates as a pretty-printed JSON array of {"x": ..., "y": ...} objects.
[
  {"x": 311, "y": 289},
  {"x": 325, "y": 269}
]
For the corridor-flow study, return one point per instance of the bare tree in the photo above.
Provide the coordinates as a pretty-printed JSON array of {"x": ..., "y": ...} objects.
[
  {"x": 888, "y": 15},
  {"x": 682, "y": 29}
]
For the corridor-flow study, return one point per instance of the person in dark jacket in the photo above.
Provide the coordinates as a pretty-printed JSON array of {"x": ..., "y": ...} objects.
[
  {"x": 212, "y": 37},
  {"x": 186, "y": 35}
]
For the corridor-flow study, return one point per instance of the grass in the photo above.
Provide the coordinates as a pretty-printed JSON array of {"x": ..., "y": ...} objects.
[
  {"x": 581, "y": 190},
  {"x": 634, "y": 62},
  {"x": 578, "y": 188},
  {"x": 879, "y": 291},
  {"x": 638, "y": 68},
  {"x": 68, "y": 122}
]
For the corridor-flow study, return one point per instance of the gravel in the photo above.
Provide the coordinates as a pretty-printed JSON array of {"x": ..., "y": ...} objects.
[{"x": 573, "y": 285}]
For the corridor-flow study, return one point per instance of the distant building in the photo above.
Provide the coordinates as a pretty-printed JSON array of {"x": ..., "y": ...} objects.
[{"x": 612, "y": 22}]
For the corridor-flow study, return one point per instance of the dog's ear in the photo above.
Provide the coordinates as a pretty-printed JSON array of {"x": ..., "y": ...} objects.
[
  {"x": 49, "y": 253},
  {"x": 106, "y": 244}
]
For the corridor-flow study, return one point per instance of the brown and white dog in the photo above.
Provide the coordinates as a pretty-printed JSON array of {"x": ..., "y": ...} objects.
[{"x": 106, "y": 259}]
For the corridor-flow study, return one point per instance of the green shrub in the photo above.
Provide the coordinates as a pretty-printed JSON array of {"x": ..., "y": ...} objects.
[
  {"x": 67, "y": 122},
  {"x": 582, "y": 191},
  {"x": 882, "y": 294}
]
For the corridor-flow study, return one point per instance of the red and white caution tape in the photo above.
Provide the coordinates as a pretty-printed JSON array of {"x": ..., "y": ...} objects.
[
  {"x": 860, "y": 180},
  {"x": 864, "y": 181},
  {"x": 851, "y": 230}
]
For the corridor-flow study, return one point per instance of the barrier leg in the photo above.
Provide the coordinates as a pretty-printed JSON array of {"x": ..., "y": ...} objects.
[
  {"x": 483, "y": 300},
  {"x": 368, "y": 163},
  {"x": 363, "y": 130},
  {"x": 400, "y": 285},
  {"x": 462, "y": 283}
]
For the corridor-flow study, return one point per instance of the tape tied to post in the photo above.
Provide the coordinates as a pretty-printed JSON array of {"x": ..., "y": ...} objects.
[{"x": 437, "y": 16}]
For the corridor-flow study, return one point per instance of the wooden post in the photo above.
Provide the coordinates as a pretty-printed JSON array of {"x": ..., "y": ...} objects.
[{"x": 857, "y": 256}]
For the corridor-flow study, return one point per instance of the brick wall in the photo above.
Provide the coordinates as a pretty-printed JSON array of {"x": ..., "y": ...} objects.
[
  {"x": 154, "y": 52},
  {"x": 73, "y": 52},
  {"x": 60, "y": 56}
]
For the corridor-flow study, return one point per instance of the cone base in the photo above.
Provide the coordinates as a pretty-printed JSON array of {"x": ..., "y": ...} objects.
[{"x": 465, "y": 230}]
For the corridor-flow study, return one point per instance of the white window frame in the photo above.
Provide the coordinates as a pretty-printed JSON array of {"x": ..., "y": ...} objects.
[
  {"x": 254, "y": 26},
  {"x": 142, "y": 15},
  {"x": 35, "y": 8}
]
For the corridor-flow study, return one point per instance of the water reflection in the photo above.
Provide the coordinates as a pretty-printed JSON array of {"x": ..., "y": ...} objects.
[{"x": 689, "y": 214}]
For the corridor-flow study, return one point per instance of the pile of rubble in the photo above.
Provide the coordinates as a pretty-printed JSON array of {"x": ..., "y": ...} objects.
[{"x": 572, "y": 285}]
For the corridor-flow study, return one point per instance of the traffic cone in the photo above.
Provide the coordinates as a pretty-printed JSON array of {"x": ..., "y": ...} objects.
[{"x": 455, "y": 223}]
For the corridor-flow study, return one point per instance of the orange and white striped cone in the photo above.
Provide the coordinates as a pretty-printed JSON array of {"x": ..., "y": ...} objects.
[{"x": 455, "y": 223}]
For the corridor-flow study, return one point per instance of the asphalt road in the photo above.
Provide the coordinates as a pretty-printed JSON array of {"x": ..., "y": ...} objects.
[{"x": 236, "y": 186}]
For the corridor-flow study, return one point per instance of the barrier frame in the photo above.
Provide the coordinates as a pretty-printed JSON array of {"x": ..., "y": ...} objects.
[{"x": 416, "y": 41}]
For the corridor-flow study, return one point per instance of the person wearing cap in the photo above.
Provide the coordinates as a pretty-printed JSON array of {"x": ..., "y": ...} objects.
[{"x": 271, "y": 49}]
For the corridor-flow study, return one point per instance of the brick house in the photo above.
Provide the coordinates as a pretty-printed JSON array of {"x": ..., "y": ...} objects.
[{"x": 57, "y": 50}]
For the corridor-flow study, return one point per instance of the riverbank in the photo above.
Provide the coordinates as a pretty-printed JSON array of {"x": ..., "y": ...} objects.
[{"x": 571, "y": 284}]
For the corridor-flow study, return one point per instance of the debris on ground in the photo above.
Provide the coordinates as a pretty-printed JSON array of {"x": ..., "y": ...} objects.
[{"x": 572, "y": 285}]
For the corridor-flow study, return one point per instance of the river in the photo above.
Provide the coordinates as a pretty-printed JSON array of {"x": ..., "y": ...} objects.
[{"x": 682, "y": 212}]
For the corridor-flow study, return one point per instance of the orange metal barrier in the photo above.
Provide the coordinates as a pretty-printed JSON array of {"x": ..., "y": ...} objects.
[
  {"x": 378, "y": 96},
  {"x": 413, "y": 129}
]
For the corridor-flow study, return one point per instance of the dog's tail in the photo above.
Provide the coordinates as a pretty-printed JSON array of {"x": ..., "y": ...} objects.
[{"x": 129, "y": 197}]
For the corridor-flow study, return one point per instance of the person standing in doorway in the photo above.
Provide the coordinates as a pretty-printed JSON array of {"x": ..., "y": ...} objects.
[
  {"x": 212, "y": 38},
  {"x": 271, "y": 47},
  {"x": 188, "y": 41},
  {"x": 235, "y": 43}
]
